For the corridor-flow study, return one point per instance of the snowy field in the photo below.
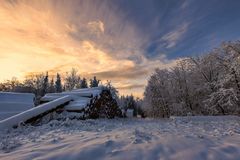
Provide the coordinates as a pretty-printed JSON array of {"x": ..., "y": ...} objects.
[{"x": 176, "y": 138}]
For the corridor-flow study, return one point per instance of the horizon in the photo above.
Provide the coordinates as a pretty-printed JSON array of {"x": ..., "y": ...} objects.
[{"x": 120, "y": 41}]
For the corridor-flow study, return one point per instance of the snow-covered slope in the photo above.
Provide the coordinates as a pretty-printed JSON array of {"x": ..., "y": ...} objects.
[
  {"x": 14, "y": 103},
  {"x": 198, "y": 138}
]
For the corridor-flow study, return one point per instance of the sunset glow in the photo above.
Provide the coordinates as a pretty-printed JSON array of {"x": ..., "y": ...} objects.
[
  {"x": 96, "y": 37},
  {"x": 39, "y": 36}
]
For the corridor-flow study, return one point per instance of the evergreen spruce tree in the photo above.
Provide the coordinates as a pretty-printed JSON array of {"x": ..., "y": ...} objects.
[
  {"x": 84, "y": 83},
  {"x": 51, "y": 87},
  {"x": 112, "y": 89},
  {"x": 58, "y": 84},
  {"x": 94, "y": 82},
  {"x": 131, "y": 102},
  {"x": 45, "y": 85}
]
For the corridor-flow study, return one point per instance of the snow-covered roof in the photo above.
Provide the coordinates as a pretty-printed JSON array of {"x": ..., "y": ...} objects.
[
  {"x": 14, "y": 103},
  {"x": 17, "y": 97}
]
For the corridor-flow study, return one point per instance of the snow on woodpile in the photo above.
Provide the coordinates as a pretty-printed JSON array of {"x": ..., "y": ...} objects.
[
  {"x": 76, "y": 94},
  {"x": 93, "y": 102},
  {"x": 78, "y": 104},
  {"x": 94, "y": 90},
  {"x": 14, "y": 103},
  {"x": 34, "y": 114},
  {"x": 86, "y": 103}
]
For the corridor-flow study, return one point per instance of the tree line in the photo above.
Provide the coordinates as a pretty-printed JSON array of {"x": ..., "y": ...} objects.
[
  {"x": 130, "y": 102},
  {"x": 203, "y": 85},
  {"x": 40, "y": 84}
]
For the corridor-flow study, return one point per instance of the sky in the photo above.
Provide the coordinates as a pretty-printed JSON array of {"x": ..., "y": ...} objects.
[{"x": 118, "y": 40}]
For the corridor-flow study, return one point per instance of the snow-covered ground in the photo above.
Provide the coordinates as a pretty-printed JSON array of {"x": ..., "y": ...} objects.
[{"x": 176, "y": 138}]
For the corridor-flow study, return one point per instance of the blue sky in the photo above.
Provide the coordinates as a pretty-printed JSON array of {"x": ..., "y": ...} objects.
[
  {"x": 207, "y": 23},
  {"x": 118, "y": 40}
]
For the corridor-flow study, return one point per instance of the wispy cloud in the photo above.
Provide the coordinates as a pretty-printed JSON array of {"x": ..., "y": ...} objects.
[
  {"x": 173, "y": 37},
  {"x": 131, "y": 86},
  {"x": 185, "y": 4},
  {"x": 96, "y": 26}
]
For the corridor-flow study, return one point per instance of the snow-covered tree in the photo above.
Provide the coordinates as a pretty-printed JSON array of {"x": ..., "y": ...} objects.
[
  {"x": 112, "y": 89},
  {"x": 209, "y": 84},
  {"x": 78, "y": 82},
  {"x": 71, "y": 80},
  {"x": 157, "y": 94},
  {"x": 222, "y": 102},
  {"x": 231, "y": 63}
]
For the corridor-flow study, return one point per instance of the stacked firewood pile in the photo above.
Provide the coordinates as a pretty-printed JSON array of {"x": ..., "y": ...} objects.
[{"x": 103, "y": 106}]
